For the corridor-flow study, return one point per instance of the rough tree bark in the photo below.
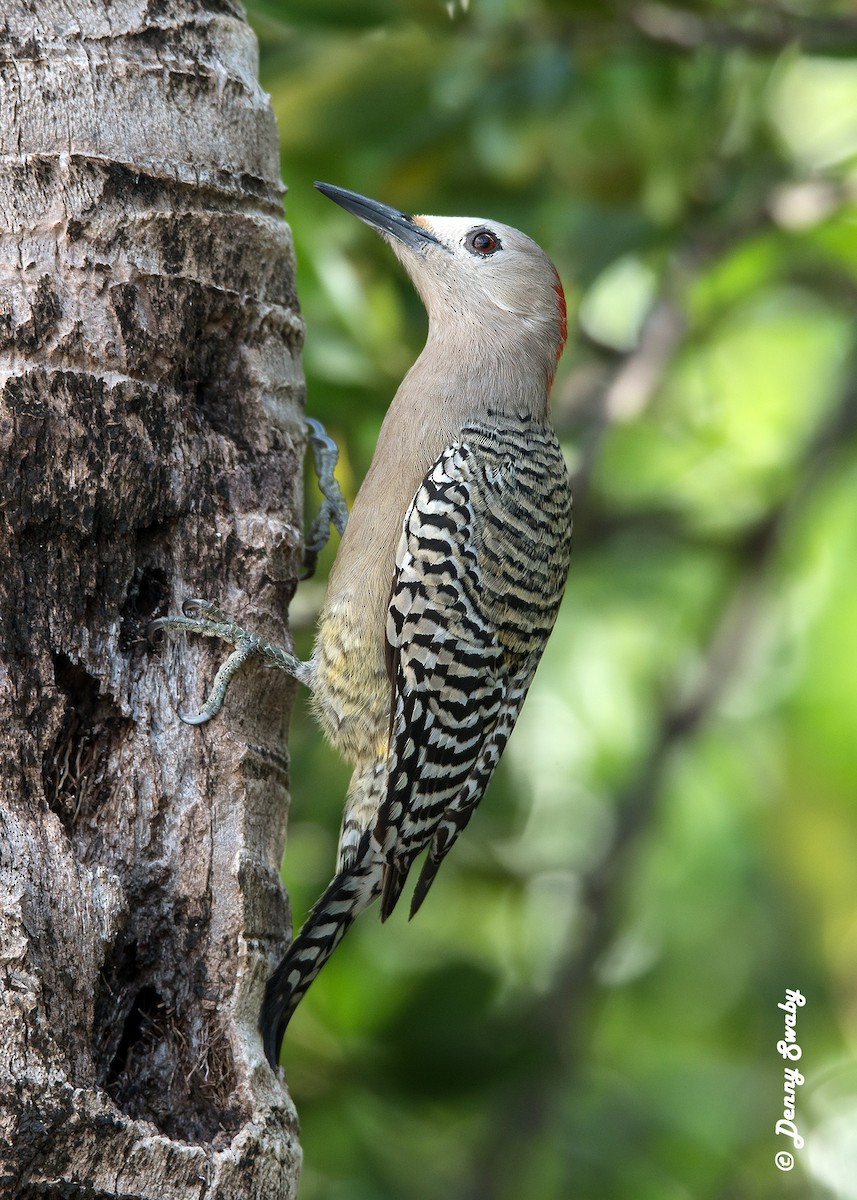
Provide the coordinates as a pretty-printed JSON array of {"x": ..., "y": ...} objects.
[{"x": 150, "y": 399}]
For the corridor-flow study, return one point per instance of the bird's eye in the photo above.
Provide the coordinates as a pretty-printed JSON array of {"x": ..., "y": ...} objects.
[{"x": 483, "y": 242}]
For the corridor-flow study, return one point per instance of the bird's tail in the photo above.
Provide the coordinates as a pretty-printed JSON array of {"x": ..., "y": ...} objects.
[{"x": 348, "y": 894}]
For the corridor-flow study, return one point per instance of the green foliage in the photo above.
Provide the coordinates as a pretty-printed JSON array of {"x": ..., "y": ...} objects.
[{"x": 587, "y": 1005}]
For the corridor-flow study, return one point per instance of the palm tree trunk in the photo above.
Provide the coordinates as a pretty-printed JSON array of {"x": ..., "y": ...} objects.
[{"x": 151, "y": 433}]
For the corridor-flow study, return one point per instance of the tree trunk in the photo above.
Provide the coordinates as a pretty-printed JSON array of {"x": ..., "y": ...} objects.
[{"x": 151, "y": 436}]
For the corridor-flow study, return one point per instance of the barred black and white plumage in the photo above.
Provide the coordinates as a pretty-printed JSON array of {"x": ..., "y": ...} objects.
[{"x": 480, "y": 573}]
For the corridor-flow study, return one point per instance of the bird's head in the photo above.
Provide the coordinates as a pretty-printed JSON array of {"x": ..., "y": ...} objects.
[{"x": 483, "y": 283}]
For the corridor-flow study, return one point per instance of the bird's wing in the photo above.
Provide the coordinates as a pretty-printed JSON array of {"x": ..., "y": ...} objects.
[
  {"x": 477, "y": 583},
  {"x": 448, "y": 668},
  {"x": 524, "y": 548}
]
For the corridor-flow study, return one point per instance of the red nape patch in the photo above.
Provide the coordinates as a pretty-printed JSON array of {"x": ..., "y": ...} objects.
[
  {"x": 563, "y": 315},
  {"x": 563, "y": 321}
]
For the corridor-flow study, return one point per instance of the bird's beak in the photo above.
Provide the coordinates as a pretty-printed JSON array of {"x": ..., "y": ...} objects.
[{"x": 388, "y": 220}]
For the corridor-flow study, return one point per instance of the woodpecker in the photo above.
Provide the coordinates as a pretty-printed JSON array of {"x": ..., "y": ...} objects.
[{"x": 448, "y": 578}]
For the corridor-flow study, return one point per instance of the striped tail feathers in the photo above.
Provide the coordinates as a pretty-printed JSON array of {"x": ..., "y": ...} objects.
[{"x": 347, "y": 895}]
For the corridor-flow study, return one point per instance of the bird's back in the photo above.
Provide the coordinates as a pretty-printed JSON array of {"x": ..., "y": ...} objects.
[{"x": 480, "y": 574}]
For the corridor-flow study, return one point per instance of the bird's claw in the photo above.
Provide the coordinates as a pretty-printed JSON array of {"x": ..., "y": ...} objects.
[
  {"x": 245, "y": 648},
  {"x": 197, "y": 608},
  {"x": 334, "y": 510},
  {"x": 203, "y": 617}
]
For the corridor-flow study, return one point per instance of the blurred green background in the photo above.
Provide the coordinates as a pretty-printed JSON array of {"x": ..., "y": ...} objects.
[{"x": 587, "y": 1006}]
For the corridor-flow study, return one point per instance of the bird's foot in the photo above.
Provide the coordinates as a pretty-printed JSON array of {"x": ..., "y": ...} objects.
[
  {"x": 199, "y": 616},
  {"x": 334, "y": 510}
]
